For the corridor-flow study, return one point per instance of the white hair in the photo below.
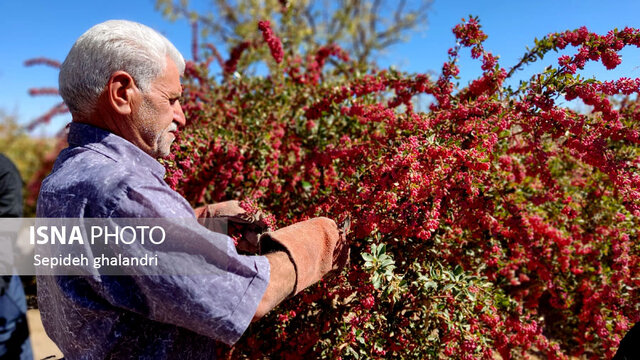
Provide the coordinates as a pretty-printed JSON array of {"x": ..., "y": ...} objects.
[{"x": 108, "y": 47}]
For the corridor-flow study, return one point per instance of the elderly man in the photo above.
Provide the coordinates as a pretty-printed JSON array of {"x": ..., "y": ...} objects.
[{"x": 121, "y": 81}]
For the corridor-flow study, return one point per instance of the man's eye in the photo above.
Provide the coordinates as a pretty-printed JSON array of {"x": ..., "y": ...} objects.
[{"x": 173, "y": 100}]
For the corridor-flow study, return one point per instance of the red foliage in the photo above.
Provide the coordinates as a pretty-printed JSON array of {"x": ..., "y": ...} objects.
[
  {"x": 42, "y": 61},
  {"x": 536, "y": 201},
  {"x": 275, "y": 46}
]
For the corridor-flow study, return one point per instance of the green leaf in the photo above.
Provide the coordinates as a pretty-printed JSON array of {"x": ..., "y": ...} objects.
[
  {"x": 458, "y": 270},
  {"x": 430, "y": 284},
  {"x": 376, "y": 281},
  {"x": 386, "y": 262}
]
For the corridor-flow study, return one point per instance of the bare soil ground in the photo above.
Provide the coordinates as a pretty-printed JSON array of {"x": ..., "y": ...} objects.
[{"x": 43, "y": 347}]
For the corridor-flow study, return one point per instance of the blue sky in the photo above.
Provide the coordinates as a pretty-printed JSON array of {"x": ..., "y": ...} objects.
[{"x": 48, "y": 28}]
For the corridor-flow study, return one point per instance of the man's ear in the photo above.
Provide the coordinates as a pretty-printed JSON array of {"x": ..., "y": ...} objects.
[{"x": 121, "y": 91}]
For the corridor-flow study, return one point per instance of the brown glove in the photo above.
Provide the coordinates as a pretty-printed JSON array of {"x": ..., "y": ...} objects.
[
  {"x": 249, "y": 226},
  {"x": 315, "y": 247}
]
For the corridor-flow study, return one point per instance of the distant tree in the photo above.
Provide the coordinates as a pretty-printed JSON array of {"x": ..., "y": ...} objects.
[
  {"x": 27, "y": 152},
  {"x": 362, "y": 28}
]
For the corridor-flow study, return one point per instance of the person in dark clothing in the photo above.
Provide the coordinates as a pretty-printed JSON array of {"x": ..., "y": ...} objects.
[
  {"x": 630, "y": 345},
  {"x": 10, "y": 189},
  {"x": 14, "y": 333}
]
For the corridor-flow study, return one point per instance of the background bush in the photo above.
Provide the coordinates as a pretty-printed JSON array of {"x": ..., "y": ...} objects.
[
  {"x": 496, "y": 221},
  {"x": 27, "y": 153}
]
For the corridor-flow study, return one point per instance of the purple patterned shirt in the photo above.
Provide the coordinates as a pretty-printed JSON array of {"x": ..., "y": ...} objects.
[{"x": 101, "y": 175}]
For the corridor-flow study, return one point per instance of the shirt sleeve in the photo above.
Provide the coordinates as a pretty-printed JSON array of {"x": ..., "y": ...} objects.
[{"x": 200, "y": 282}]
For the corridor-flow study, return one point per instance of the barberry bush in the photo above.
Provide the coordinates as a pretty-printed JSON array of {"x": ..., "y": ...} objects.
[{"x": 497, "y": 222}]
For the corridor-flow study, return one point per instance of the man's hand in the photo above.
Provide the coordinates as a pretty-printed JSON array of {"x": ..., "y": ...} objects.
[
  {"x": 248, "y": 226},
  {"x": 315, "y": 247}
]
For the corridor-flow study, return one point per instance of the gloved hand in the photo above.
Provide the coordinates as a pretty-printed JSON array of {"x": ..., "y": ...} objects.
[
  {"x": 249, "y": 226},
  {"x": 315, "y": 247}
]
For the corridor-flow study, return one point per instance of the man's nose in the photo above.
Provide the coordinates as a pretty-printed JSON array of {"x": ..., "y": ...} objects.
[{"x": 178, "y": 115}]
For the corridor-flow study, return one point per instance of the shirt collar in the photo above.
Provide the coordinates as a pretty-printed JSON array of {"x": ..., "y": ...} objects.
[{"x": 112, "y": 146}]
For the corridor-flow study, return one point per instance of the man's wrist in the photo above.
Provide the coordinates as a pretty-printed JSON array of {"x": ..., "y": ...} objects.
[
  {"x": 282, "y": 281},
  {"x": 270, "y": 247}
]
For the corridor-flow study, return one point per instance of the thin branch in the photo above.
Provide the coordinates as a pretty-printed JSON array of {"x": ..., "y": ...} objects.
[
  {"x": 58, "y": 109},
  {"x": 373, "y": 20},
  {"x": 43, "y": 91},
  {"x": 194, "y": 40},
  {"x": 309, "y": 17},
  {"x": 43, "y": 61},
  {"x": 530, "y": 56},
  {"x": 215, "y": 54},
  {"x": 398, "y": 13}
]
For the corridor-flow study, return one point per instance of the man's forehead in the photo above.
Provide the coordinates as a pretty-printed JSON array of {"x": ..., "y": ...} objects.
[{"x": 170, "y": 79}]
